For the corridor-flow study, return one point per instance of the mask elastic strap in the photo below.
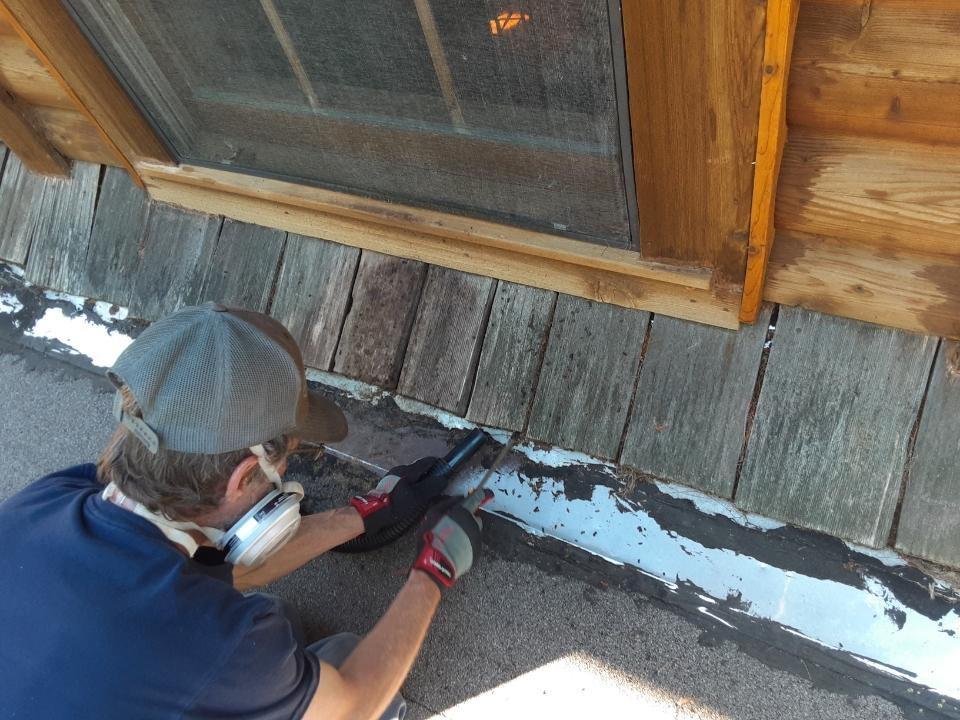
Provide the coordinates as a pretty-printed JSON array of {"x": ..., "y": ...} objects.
[
  {"x": 268, "y": 468},
  {"x": 173, "y": 530}
]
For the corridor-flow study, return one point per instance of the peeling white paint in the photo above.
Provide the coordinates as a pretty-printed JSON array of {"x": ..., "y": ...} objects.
[
  {"x": 14, "y": 270},
  {"x": 10, "y": 304},
  {"x": 109, "y": 312},
  {"x": 75, "y": 300},
  {"x": 711, "y": 505},
  {"x": 885, "y": 555},
  {"x": 82, "y": 336},
  {"x": 839, "y": 616},
  {"x": 715, "y": 617}
]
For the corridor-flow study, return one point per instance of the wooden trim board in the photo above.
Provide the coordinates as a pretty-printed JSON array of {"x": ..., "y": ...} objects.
[
  {"x": 22, "y": 133},
  {"x": 458, "y": 227},
  {"x": 771, "y": 134},
  {"x": 609, "y": 275},
  {"x": 48, "y": 29}
]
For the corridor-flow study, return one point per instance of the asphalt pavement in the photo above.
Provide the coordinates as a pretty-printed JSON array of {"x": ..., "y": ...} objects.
[{"x": 519, "y": 637}]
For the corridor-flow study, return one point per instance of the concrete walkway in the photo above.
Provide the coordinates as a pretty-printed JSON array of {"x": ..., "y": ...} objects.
[{"x": 520, "y": 637}]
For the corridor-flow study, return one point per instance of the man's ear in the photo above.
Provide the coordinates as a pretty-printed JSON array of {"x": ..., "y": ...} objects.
[{"x": 239, "y": 478}]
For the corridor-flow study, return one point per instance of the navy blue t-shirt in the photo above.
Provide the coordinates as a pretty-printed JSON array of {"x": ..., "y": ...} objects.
[{"x": 103, "y": 617}]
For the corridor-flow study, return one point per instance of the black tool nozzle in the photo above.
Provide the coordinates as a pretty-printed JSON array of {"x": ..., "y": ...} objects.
[{"x": 446, "y": 466}]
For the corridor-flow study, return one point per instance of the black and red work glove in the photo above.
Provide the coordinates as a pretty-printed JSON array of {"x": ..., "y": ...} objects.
[
  {"x": 450, "y": 538},
  {"x": 399, "y": 494}
]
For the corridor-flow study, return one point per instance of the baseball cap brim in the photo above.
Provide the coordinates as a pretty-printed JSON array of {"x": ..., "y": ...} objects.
[{"x": 320, "y": 420}]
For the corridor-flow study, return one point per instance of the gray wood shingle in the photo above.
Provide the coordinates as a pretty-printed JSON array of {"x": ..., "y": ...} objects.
[
  {"x": 930, "y": 519},
  {"x": 445, "y": 340},
  {"x": 513, "y": 347},
  {"x": 59, "y": 247},
  {"x": 175, "y": 254},
  {"x": 110, "y": 266},
  {"x": 691, "y": 405},
  {"x": 243, "y": 265},
  {"x": 313, "y": 291},
  {"x": 829, "y": 439},
  {"x": 385, "y": 297},
  {"x": 588, "y": 376}
]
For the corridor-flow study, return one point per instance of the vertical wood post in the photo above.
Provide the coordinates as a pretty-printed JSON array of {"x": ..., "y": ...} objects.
[{"x": 771, "y": 135}]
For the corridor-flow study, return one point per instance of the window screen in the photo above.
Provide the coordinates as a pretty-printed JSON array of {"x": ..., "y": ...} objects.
[{"x": 497, "y": 110}]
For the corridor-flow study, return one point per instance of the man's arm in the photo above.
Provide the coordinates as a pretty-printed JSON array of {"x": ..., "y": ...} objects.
[
  {"x": 367, "y": 681},
  {"x": 317, "y": 534}
]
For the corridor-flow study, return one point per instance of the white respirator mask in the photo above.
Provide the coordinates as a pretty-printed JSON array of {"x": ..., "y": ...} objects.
[{"x": 263, "y": 529}]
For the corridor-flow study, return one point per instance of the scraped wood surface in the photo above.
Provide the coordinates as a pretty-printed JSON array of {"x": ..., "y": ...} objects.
[
  {"x": 243, "y": 266},
  {"x": 886, "y": 68},
  {"x": 446, "y": 337},
  {"x": 829, "y": 439},
  {"x": 929, "y": 526},
  {"x": 109, "y": 269},
  {"x": 313, "y": 291},
  {"x": 914, "y": 291},
  {"x": 588, "y": 376},
  {"x": 898, "y": 195},
  {"x": 385, "y": 297},
  {"x": 513, "y": 348},
  {"x": 174, "y": 256},
  {"x": 61, "y": 239},
  {"x": 21, "y": 196},
  {"x": 690, "y": 412}
]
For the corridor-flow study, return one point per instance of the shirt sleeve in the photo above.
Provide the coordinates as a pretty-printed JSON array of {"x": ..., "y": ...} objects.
[{"x": 269, "y": 676}]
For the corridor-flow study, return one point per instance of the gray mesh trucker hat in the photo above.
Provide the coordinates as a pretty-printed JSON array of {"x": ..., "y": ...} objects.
[{"x": 212, "y": 379}]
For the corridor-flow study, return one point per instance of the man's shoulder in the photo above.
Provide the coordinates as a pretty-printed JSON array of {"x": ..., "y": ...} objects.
[{"x": 56, "y": 485}]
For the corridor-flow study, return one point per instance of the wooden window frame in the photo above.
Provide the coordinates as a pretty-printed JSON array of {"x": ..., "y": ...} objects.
[{"x": 692, "y": 269}]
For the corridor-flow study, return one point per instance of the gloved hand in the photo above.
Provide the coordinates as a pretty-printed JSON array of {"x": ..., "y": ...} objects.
[
  {"x": 450, "y": 538},
  {"x": 398, "y": 494}
]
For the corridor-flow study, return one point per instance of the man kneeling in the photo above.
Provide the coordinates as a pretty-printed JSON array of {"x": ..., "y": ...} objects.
[{"x": 123, "y": 581}]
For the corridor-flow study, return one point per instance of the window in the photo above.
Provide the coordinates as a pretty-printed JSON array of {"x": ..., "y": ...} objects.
[{"x": 490, "y": 109}]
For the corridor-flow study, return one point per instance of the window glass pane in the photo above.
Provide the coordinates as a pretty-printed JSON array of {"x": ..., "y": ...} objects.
[{"x": 483, "y": 108}]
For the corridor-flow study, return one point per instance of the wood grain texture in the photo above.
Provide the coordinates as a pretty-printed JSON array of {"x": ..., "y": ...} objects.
[
  {"x": 928, "y": 521},
  {"x": 771, "y": 135},
  {"x": 829, "y": 438},
  {"x": 25, "y": 76},
  {"x": 691, "y": 405},
  {"x": 243, "y": 266},
  {"x": 270, "y": 207},
  {"x": 694, "y": 75},
  {"x": 883, "y": 68},
  {"x": 21, "y": 196},
  {"x": 75, "y": 137},
  {"x": 50, "y": 32},
  {"x": 588, "y": 375},
  {"x": 513, "y": 348},
  {"x": 313, "y": 292},
  {"x": 914, "y": 291},
  {"x": 174, "y": 255},
  {"x": 24, "y": 135},
  {"x": 110, "y": 265},
  {"x": 62, "y": 237},
  {"x": 386, "y": 293},
  {"x": 898, "y": 195},
  {"x": 446, "y": 338}
]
